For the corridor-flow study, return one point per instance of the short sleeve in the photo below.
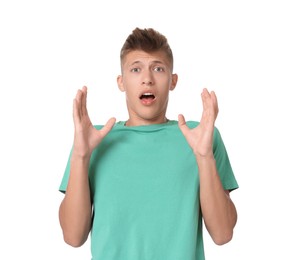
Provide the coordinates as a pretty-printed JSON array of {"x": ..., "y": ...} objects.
[
  {"x": 224, "y": 168},
  {"x": 64, "y": 181}
]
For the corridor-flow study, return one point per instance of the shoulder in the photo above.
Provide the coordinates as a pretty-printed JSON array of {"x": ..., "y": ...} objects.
[
  {"x": 192, "y": 124},
  {"x": 98, "y": 127},
  {"x": 119, "y": 124}
]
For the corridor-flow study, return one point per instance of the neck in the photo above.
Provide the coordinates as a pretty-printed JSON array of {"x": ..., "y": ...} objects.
[{"x": 138, "y": 122}]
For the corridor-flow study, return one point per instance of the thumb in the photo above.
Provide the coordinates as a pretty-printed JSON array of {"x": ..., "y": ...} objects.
[
  {"x": 182, "y": 124},
  {"x": 107, "y": 127}
]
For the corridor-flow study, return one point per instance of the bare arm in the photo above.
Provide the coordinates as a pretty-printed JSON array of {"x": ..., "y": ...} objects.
[
  {"x": 218, "y": 210},
  {"x": 75, "y": 212},
  {"x": 76, "y": 209}
]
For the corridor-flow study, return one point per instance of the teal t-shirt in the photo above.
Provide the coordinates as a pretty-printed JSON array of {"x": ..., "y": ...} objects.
[{"x": 145, "y": 190}]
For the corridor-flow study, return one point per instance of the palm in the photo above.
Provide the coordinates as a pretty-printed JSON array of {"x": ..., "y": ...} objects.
[
  {"x": 86, "y": 137},
  {"x": 200, "y": 138}
]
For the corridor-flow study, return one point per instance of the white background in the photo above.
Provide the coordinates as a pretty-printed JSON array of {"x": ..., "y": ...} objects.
[{"x": 241, "y": 49}]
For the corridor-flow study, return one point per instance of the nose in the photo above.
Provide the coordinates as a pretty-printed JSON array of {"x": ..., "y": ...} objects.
[
  {"x": 147, "y": 82},
  {"x": 147, "y": 78}
]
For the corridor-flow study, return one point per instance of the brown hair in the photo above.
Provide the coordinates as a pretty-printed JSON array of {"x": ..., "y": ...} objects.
[{"x": 148, "y": 40}]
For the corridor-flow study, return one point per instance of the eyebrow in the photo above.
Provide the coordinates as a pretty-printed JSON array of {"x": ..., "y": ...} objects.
[{"x": 152, "y": 62}]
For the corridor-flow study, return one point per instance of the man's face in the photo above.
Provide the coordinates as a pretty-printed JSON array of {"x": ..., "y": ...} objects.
[{"x": 146, "y": 80}]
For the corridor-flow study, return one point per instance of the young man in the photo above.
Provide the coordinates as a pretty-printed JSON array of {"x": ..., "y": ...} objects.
[{"x": 143, "y": 186}]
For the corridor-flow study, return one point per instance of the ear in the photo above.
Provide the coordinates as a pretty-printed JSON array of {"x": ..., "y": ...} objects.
[
  {"x": 120, "y": 83},
  {"x": 174, "y": 81}
]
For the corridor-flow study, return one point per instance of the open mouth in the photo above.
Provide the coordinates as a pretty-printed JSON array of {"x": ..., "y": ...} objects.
[{"x": 147, "y": 98}]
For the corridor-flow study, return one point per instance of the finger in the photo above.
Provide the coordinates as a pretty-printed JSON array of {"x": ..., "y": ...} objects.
[
  {"x": 215, "y": 102},
  {"x": 204, "y": 104},
  {"x": 107, "y": 127},
  {"x": 83, "y": 101},
  {"x": 205, "y": 97},
  {"x": 209, "y": 101},
  {"x": 76, "y": 105},
  {"x": 209, "y": 113},
  {"x": 182, "y": 124},
  {"x": 76, "y": 116},
  {"x": 78, "y": 95},
  {"x": 213, "y": 96}
]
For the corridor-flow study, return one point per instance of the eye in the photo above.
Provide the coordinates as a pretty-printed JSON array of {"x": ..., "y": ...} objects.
[
  {"x": 135, "y": 70},
  {"x": 159, "y": 69}
]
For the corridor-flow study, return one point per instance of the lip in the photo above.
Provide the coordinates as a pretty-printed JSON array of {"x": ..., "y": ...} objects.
[
  {"x": 147, "y": 101},
  {"x": 147, "y": 91}
]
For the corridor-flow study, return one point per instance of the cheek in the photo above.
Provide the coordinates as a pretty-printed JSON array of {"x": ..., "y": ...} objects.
[
  {"x": 171, "y": 87},
  {"x": 166, "y": 92},
  {"x": 130, "y": 95}
]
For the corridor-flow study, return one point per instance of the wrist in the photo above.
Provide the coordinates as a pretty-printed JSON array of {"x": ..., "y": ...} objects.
[
  {"x": 206, "y": 165},
  {"x": 81, "y": 157},
  {"x": 204, "y": 159}
]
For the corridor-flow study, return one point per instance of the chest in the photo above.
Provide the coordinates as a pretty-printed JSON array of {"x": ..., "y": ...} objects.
[{"x": 137, "y": 167}]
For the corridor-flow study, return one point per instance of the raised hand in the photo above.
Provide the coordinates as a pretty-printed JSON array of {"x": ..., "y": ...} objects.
[
  {"x": 86, "y": 136},
  {"x": 200, "y": 138}
]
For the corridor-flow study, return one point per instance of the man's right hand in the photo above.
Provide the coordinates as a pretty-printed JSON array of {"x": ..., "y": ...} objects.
[{"x": 86, "y": 136}]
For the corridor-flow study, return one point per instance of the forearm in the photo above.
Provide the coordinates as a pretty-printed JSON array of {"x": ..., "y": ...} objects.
[
  {"x": 75, "y": 211},
  {"x": 218, "y": 210}
]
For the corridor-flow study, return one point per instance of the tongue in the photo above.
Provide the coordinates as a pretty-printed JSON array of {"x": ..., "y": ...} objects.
[{"x": 147, "y": 99}]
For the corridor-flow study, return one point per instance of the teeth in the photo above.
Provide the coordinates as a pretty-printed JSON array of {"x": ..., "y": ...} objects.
[{"x": 146, "y": 95}]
